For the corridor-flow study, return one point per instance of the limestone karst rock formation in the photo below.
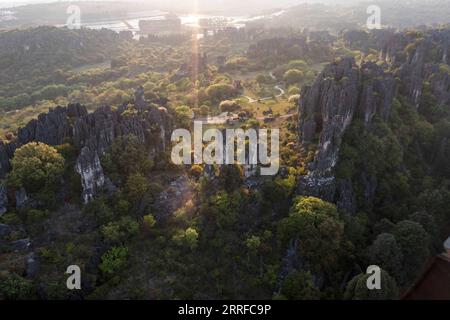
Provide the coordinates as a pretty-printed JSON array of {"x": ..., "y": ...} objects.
[
  {"x": 91, "y": 133},
  {"x": 327, "y": 109},
  {"x": 346, "y": 90}
]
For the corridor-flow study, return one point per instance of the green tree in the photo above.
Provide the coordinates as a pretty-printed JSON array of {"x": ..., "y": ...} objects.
[
  {"x": 126, "y": 156},
  {"x": 204, "y": 110},
  {"x": 220, "y": 91},
  {"x": 191, "y": 238},
  {"x": 184, "y": 115},
  {"x": 121, "y": 206},
  {"x": 231, "y": 177},
  {"x": 21, "y": 100},
  {"x": 229, "y": 106},
  {"x": 357, "y": 288},
  {"x": 315, "y": 224},
  {"x": 293, "y": 76},
  {"x": 253, "y": 244},
  {"x": 114, "y": 260},
  {"x": 120, "y": 231},
  {"x": 277, "y": 190},
  {"x": 414, "y": 242},
  {"x": 137, "y": 185},
  {"x": 36, "y": 166},
  {"x": 428, "y": 222},
  {"x": 386, "y": 253},
  {"x": 188, "y": 238},
  {"x": 261, "y": 79},
  {"x": 99, "y": 211},
  {"x": 53, "y": 91},
  {"x": 225, "y": 208},
  {"x": 149, "y": 221},
  {"x": 14, "y": 287},
  {"x": 298, "y": 64},
  {"x": 299, "y": 285}
]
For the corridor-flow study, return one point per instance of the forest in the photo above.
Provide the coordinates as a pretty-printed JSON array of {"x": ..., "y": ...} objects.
[{"x": 86, "y": 176}]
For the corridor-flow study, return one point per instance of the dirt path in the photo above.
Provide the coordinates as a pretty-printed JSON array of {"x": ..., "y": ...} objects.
[{"x": 277, "y": 87}]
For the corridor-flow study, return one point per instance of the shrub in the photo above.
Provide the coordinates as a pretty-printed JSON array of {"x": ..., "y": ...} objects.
[
  {"x": 114, "y": 260},
  {"x": 36, "y": 166},
  {"x": 188, "y": 238},
  {"x": 149, "y": 221},
  {"x": 229, "y": 106},
  {"x": 315, "y": 223},
  {"x": 34, "y": 215},
  {"x": 121, "y": 230},
  {"x": 299, "y": 286},
  {"x": 136, "y": 186},
  {"x": 293, "y": 76},
  {"x": 414, "y": 243},
  {"x": 98, "y": 210},
  {"x": 14, "y": 287},
  {"x": 126, "y": 156},
  {"x": 357, "y": 288},
  {"x": 221, "y": 91}
]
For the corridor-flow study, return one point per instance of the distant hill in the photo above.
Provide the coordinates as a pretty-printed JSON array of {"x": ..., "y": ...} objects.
[{"x": 40, "y": 52}]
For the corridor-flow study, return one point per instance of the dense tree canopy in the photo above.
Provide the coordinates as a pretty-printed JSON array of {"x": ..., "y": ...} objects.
[
  {"x": 114, "y": 260},
  {"x": 386, "y": 253},
  {"x": 316, "y": 226},
  {"x": 299, "y": 285},
  {"x": 414, "y": 243},
  {"x": 357, "y": 288},
  {"x": 15, "y": 287},
  {"x": 36, "y": 166}
]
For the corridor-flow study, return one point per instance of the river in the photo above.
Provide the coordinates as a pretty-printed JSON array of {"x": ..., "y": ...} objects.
[{"x": 132, "y": 22}]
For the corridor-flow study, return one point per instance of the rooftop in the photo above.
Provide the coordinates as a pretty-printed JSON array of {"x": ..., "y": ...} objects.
[{"x": 434, "y": 283}]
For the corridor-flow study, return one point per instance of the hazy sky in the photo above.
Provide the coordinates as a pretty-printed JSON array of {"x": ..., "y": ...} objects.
[
  {"x": 21, "y": 2},
  {"x": 260, "y": 5},
  {"x": 275, "y": 2}
]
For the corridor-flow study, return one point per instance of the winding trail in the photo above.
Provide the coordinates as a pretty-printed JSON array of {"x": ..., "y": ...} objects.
[
  {"x": 224, "y": 117},
  {"x": 277, "y": 87}
]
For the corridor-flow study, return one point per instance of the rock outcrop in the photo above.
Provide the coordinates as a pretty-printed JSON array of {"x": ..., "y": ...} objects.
[
  {"x": 5, "y": 231},
  {"x": 95, "y": 132},
  {"x": 92, "y": 134},
  {"x": 3, "y": 198},
  {"x": 415, "y": 68},
  {"x": 416, "y": 60},
  {"x": 326, "y": 110},
  {"x": 51, "y": 128},
  {"x": 90, "y": 169},
  {"x": 22, "y": 199},
  {"x": 6, "y": 152},
  {"x": 341, "y": 91}
]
